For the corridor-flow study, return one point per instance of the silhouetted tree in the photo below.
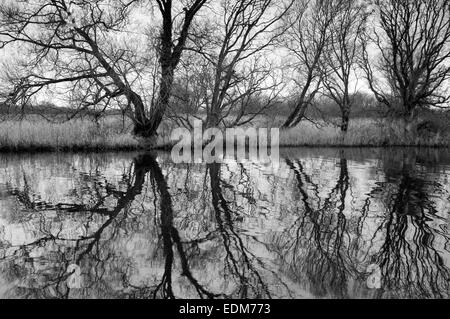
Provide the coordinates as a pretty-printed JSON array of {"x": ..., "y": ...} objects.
[
  {"x": 414, "y": 40},
  {"x": 342, "y": 54},
  {"x": 307, "y": 37},
  {"x": 229, "y": 71},
  {"x": 74, "y": 45}
]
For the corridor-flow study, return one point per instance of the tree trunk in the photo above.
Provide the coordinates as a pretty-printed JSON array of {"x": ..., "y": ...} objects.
[
  {"x": 123, "y": 121},
  {"x": 345, "y": 118},
  {"x": 408, "y": 118},
  {"x": 141, "y": 121},
  {"x": 213, "y": 118},
  {"x": 300, "y": 115},
  {"x": 170, "y": 56},
  {"x": 147, "y": 127},
  {"x": 297, "y": 115}
]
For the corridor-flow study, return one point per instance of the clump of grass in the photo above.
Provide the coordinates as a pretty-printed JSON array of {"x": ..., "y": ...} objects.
[
  {"x": 362, "y": 132},
  {"x": 72, "y": 135}
]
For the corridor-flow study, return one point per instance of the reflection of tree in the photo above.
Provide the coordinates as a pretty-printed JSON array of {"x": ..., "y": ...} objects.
[
  {"x": 329, "y": 247},
  {"x": 171, "y": 238},
  {"x": 411, "y": 265},
  {"x": 319, "y": 244},
  {"x": 239, "y": 261},
  {"x": 93, "y": 251},
  {"x": 193, "y": 227},
  {"x": 65, "y": 250}
]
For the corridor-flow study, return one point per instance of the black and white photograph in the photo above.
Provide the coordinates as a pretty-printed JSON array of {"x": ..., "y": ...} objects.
[{"x": 245, "y": 150}]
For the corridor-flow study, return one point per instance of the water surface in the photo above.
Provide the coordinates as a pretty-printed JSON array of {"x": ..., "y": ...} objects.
[{"x": 327, "y": 223}]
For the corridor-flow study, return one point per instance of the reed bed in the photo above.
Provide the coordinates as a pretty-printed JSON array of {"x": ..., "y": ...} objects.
[
  {"x": 72, "y": 135},
  {"x": 110, "y": 134},
  {"x": 363, "y": 132}
]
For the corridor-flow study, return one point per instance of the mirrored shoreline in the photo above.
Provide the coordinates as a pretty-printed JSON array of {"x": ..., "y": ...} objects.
[{"x": 327, "y": 223}]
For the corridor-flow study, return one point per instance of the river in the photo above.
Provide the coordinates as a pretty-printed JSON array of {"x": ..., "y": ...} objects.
[{"x": 325, "y": 223}]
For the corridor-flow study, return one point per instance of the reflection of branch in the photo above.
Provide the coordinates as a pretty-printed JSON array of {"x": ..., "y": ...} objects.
[
  {"x": 324, "y": 261},
  {"x": 123, "y": 200},
  {"x": 86, "y": 245},
  {"x": 171, "y": 237},
  {"x": 237, "y": 255},
  {"x": 413, "y": 267}
]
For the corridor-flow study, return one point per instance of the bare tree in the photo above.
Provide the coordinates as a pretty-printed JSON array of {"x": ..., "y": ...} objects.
[
  {"x": 413, "y": 38},
  {"x": 170, "y": 55},
  {"x": 342, "y": 54},
  {"x": 233, "y": 50},
  {"x": 74, "y": 46},
  {"x": 306, "y": 38}
]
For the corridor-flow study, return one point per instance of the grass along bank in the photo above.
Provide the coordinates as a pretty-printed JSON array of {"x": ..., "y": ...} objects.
[
  {"x": 367, "y": 132},
  {"x": 38, "y": 134},
  {"x": 69, "y": 136}
]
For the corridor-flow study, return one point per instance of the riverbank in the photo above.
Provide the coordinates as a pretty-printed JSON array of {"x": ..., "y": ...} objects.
[
  {"x": 41, "y": 135},
  {"x": 367, "y": 133},
  {"x": 111, "y": 135}
]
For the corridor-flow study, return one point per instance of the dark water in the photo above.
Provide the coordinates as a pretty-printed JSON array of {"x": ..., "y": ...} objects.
[{"x": 327, "y": 223}]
